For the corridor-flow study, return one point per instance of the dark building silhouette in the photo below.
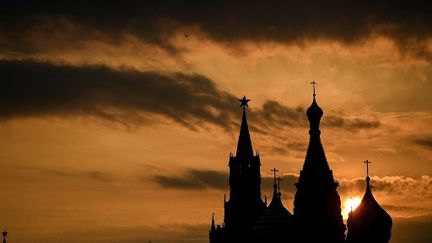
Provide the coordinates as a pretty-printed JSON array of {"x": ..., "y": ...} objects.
[
  {"x": 369, "y": 222},
  {"x": 317, "y": 206},
  {"x": 245, "y": 203},
  {"x": 317, "y": 214},
  {"x": 276, "y": 223}
]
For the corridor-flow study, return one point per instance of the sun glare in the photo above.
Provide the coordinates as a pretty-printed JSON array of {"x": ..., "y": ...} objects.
[{"x": 350, "y": 204}]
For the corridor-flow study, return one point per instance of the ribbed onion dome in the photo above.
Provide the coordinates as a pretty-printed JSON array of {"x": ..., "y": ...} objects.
[
  {"x": 275, "y": 218},
  {"x": 314, "y": 114},
  {"x": 369, "y": 222}
]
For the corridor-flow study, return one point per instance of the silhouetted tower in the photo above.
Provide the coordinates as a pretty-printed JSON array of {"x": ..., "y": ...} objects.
[
  {"x": 317, "y": 205},
  {"x": 369, "y": 222},
  {"x": 212, "y": 231},
  {"x": 245, "y": 203},
  {"x": 276, "y": 224},
  {"x": 216, "y": 233},
  {"x": 5, "y": 235}
]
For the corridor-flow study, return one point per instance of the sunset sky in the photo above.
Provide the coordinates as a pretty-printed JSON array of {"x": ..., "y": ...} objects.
[{"x": 117, "y": 120}]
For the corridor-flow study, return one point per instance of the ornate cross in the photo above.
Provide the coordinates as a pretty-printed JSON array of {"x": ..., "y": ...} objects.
[
  {"x": 274, "y": 170},
  {"x": 314, "y": 83},
  {"x": 4, "y": 234},
  {"x": 367, "y": 162}
]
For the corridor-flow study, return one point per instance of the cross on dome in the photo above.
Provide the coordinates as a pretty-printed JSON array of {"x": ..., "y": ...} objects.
[
  {"x": 367, "y": 162},
  {"x": 274, "y": 170},
  {"x": 314, "y": 84}
]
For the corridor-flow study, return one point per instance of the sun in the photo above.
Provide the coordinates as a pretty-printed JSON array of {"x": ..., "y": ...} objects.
[{"x": 350, "y": 204}]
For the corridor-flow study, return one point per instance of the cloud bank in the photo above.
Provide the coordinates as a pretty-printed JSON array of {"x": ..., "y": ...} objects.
[
  {"x": 131, "y": 97},
  {"x": 399, "y": 187},
  {"x": 407, "y": 23}
]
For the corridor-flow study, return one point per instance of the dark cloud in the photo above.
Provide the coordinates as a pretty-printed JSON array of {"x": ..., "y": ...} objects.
[
  {"x": 194, "y": 179},
  {"x": 391, "y": 185},
  {"x": 287, "y": 148},
  {"x": 400, "y": 208},
  {"x": 427, "y": 142},
  {"x": 125, "y": 96},
  {"x": 273, "y": 114},
  {"x": 130, "y": 97},
  {"x": 294, "y": 22},
  {"x": 94, "y": 175},
  {"x": 354, "y": 124},
  {"x": 161, "y": 233},
  {"x": 405, "y": 187}
]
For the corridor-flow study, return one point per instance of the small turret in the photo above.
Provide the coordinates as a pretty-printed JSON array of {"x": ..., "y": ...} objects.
[{"x": 276, "y": 224}]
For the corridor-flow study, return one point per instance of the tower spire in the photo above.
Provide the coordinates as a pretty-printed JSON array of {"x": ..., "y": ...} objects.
[
  {"x": 317, "y": 205},
  {"x": 315, "y": 155},
  {"x": 244, "y": 146},
  {"x": 244, "y": 102},
  {"x": 213, "y": 225}
]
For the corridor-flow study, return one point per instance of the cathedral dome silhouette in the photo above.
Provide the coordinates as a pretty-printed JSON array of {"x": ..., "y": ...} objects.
[
  {"x": 369, "y": 222},
  {"x": 275, "y": 218},
  {"x": 314, "y": 112},
  {"x": 317, "y": 214}
]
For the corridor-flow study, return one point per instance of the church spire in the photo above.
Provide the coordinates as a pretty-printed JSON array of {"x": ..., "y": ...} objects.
[
  {"x": 314, "y": 112},
  {"x": 317, "y": 205},
  {"x": 213, "y": 225},
  {"x": 244, "y": 146},
  {"x": 315, "y": 156}
]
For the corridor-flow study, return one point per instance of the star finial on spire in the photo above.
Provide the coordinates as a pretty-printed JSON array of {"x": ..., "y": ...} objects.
[
  {"x": 244, "y": 102},
  {"x": 314, "y": 84},
  {"x": 367, "y": 162}
]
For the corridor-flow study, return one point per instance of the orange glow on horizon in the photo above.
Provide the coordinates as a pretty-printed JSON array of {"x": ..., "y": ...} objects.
[{"x": 350, "y": 205}]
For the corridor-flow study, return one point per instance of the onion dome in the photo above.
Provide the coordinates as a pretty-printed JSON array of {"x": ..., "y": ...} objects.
[
  {"x": 369, "y": 222},
  {"x": 314, "y": 112}
]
